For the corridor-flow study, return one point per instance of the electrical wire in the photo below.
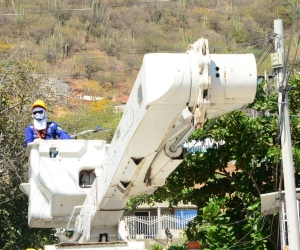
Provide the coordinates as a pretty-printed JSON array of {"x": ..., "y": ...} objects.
[
  {"x": 251, "y": 247},
  {"x": 207, "y": 225},
  {"x": 81, "y": 9},
  {"x": 278, "y": 231},
  {"x": 254, "y": 42},
  {"x": 290, "y": 42},
  {"x": 248, "y": 48},
  {"x": 246, "y": 234},
  {"x": 180, "y": 13},
  {"x": 202, "y": 135},
  {"x": 130, "y": 53},
  {"x": 268, "y": 49},
  {"x": 241, "y": 243},
  {"x": 293, "y": 63}
]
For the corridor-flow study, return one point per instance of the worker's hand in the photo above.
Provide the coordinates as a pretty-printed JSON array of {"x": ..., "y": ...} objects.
[{"x": 36, "y": 141}]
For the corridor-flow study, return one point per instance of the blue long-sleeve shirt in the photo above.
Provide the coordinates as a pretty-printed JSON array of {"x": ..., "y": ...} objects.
[{"x": 53, "y": 132}]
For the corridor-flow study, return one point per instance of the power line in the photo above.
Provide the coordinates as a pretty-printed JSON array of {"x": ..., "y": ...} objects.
[
  {"x": 240, "y": 241},
  {"x": 82, "y": 9},
  {"x": 112, "y": 6},
  {"x": 253, "y": 43},
  {"x": 268, "y": 50},
  {"x": 180, "y": 13}
]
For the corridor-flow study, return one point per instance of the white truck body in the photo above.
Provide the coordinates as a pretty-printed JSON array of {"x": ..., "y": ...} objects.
[{"x": 173, "y": 95}]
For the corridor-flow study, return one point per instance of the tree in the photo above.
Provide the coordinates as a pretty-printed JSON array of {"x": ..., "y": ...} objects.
[
  {"x": 20, "y": 86},
  {"x": 229, "y": 214}
]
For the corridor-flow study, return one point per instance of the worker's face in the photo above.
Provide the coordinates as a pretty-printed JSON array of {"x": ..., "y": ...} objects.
[{"x": 38, "y": 113}]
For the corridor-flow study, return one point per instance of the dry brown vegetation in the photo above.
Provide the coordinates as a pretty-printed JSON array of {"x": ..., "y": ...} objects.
[{"x": 104, "y": 41}]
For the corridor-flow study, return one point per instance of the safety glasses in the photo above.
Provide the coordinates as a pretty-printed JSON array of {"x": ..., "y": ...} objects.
[{"x": 38, "y": 112}]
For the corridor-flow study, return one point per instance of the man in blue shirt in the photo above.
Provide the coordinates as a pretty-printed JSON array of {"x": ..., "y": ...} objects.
[{"x": 41, "y": 128}]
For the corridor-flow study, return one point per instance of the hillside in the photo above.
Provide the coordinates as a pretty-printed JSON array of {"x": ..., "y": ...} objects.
[{"x": 98, "y": 46}]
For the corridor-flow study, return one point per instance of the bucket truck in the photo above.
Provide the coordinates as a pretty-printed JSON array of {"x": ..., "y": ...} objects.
[{"x": 85, "y": 184}]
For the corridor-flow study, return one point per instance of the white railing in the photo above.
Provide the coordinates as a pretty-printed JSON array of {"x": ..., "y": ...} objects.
[{"x": 147, "y": 227}]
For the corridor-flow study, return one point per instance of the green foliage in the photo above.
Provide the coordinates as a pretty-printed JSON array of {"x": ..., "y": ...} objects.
[
  {"x": 156, "y": 247},
  {"x": 178, "y": 247},
  {"x": 20, "y": 84},
  {"x": 216, "y": 226},
  {"x": 172, "y": 247},
  {"x": 294, "y": 102},
  {"x": 216, "y": 232},
  {"x": 264, "y": 101}
]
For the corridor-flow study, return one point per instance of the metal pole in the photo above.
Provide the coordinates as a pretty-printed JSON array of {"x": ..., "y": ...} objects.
[
  {"x": 287, "y": 157},
  {"x": 159, "y": 227},
  {"x": 178, "y": 143}
]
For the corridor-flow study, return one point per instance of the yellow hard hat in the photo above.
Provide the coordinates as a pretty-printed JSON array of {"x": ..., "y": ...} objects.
[{"x": 39, "y": 103}]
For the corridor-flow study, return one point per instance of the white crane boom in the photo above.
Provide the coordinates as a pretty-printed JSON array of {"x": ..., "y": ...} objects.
[{"x": 173, "y": 95}]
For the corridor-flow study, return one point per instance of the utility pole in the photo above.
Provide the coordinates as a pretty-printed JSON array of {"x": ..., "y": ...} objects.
[{"x": 287, "y": 157}]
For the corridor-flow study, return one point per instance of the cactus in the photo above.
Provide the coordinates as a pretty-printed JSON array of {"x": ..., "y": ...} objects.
[
  {"x": 182, "y": 4},
  {"x": 236, "y": 22}
]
